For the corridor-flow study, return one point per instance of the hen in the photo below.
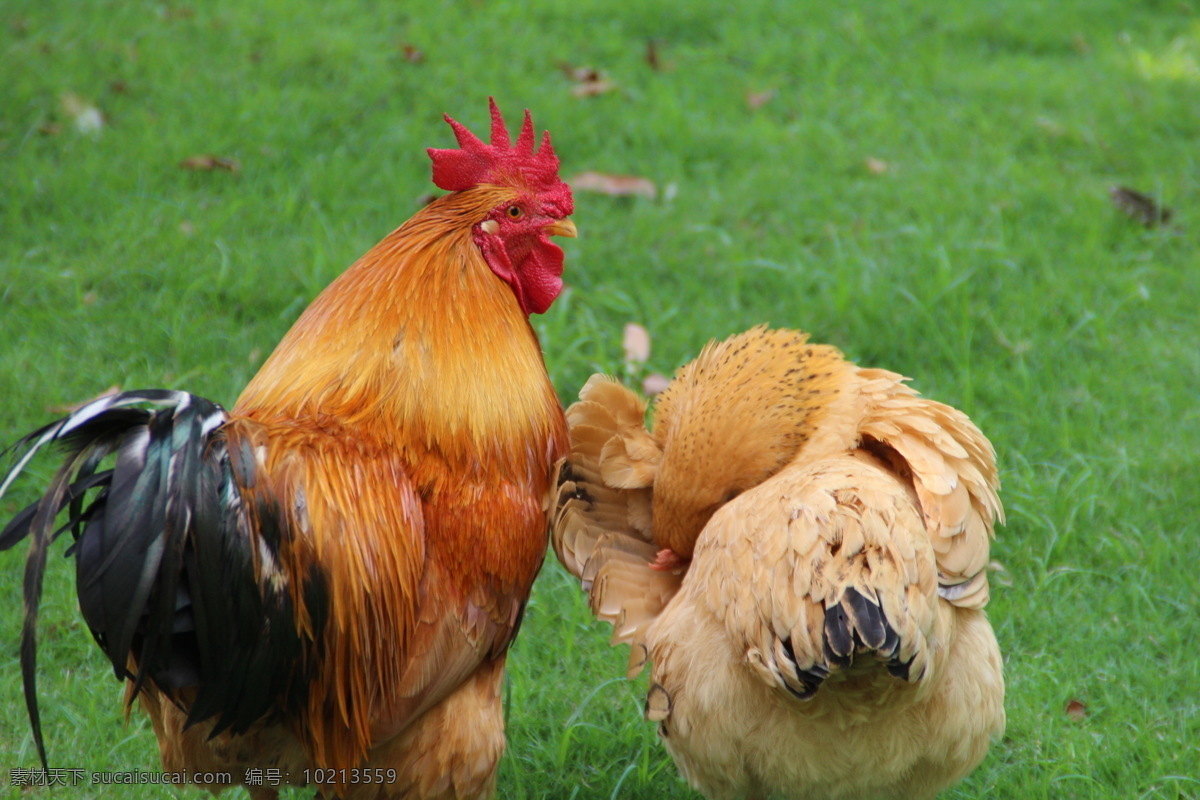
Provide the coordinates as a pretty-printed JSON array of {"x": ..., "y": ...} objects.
[
  {"x": 324, "y": 580},
  {"x": 800, "y": 546}
]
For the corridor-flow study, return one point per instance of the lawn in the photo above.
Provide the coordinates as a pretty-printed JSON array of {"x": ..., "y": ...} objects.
[{"x": 925, "y": 186}]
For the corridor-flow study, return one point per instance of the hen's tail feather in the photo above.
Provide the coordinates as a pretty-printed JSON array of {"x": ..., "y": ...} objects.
[
  {"x": 600, "y": 522},
  {"x": 854, "y": 627},
  {"x": 174, "y": 574}
]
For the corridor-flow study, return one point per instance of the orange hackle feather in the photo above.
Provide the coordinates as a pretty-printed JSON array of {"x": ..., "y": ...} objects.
[{"x": 402, "y": 373}]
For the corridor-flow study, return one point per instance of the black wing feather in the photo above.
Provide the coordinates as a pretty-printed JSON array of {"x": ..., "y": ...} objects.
[{"x": 854, "y": 626}]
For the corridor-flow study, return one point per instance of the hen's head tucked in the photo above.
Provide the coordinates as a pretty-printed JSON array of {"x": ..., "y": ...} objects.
[
  {"x": 515, "y": 235},
  {"x": 732, "y": 418}
]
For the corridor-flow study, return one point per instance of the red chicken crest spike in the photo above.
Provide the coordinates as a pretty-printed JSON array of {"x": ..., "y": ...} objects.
[{"x": 499, "y": 162}]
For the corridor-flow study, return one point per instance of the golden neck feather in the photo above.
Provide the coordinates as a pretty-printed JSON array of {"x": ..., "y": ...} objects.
[{"x": 417, "y": 344}]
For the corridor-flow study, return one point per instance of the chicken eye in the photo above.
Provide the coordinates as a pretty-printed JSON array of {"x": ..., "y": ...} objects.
[{"x": 515, "y": 212}]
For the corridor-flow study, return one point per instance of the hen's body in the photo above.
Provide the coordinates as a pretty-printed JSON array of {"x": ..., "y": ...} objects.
[
  {"x": 325, "y": 580},
  {"x": 822, "y": 636},
  {"x": 735, "y": 731}
]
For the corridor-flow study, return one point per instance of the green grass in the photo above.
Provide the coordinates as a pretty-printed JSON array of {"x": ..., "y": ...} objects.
[{"x": 986, "y": 262}]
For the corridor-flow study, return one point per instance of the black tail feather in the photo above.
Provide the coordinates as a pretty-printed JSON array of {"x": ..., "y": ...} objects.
[
  {"x": 18, "y": 527},
  {"x": 167, "y": 557}
]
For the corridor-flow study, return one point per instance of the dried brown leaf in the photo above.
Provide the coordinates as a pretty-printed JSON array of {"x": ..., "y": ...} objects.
[
  {"x": 1141, "y": 207},
  {"x": 118, "y": 87},
  {"x": 655, "y": 383},
  {"x": 580, "y": 74},
  {"x": 412, "y": 53},
  {"x": 655, "y": 60},
  {"x": 49, "y": 129},
  {"x": 589, "y": 81},
  {"x": 1076, "y": 710},
  {"x": 614, "y": 185},
  {"x": 636, "y": 341},
  {"x": 876, "y": 166},
  {"x": 71, "y": 408},
  {"x": 652, "y": 55},
  {"x": 756, "y": 100},
  {"x": 593, "y": 88},
  {"x": 207, "y": 162}
]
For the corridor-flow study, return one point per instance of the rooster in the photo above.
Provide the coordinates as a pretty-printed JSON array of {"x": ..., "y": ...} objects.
[
  {"x": 800, "y": 546},
  {"x": 325, "y": 579}
]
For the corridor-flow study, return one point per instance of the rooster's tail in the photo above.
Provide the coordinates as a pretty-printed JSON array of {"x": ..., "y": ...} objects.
[{"x": 178, "y": 579}]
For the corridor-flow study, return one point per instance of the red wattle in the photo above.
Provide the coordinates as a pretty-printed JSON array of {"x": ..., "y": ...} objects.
[
  {"x": 541, "y": 277},
  {"x": 536, "y": 281}
]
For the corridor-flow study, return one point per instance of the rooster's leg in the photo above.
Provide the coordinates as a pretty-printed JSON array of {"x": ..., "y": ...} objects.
[{"x": 452, "y": 751}]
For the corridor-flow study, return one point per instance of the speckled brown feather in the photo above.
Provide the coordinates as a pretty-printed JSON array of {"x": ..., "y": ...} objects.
[{"x": 769, "y": 391}]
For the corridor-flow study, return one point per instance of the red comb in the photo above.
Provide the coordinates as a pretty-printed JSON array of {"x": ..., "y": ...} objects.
[{"x": 499, "y": 162}]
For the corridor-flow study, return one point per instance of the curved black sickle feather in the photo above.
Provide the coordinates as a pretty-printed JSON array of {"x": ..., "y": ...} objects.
[
  {"x": 35, "y": 569},
  {"x": 168, "y": 558}
]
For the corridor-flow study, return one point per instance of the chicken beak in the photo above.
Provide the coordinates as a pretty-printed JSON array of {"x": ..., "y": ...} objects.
[{"x": 561, "y": 227}]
